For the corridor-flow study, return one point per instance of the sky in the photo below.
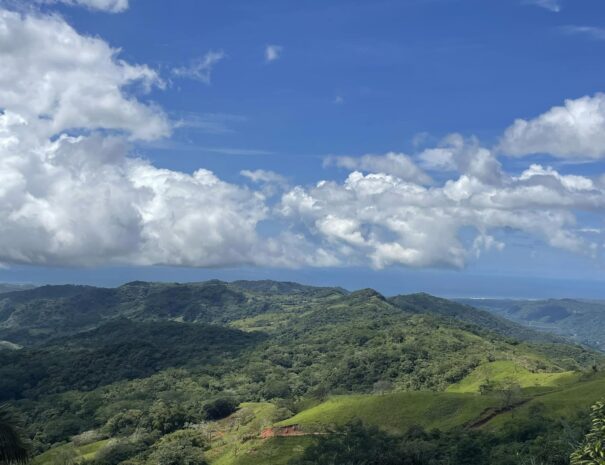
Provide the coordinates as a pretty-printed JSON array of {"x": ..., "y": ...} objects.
[{"x": 450, "y": 146}]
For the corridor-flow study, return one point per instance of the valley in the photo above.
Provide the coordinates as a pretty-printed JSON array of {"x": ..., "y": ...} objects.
[{"x": 580, "y": 321}]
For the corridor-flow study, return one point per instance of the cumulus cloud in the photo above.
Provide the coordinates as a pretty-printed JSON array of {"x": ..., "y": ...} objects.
[
  {"x": 80, "y": 200},
  {"x": 200, "y": 69},
  {"x": 273, "y": 52},
  {"x": 465, "y": 156},
  {"x": 397, "y": 164},
  {"x": 575, "y": 130},
  {"x": 387, "y": 220},
  {"x": 73, "y": 190},
  {"x": 71, "y": 193},
  {"x": 57, "y": 80},
  {"x": 111, "y": 6}
]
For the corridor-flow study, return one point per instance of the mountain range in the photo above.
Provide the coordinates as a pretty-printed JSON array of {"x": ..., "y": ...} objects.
[{"x": 114, "y": 375}]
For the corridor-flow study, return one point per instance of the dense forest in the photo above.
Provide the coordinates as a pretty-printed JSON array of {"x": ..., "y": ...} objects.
[{"x": 269, "y": 372}]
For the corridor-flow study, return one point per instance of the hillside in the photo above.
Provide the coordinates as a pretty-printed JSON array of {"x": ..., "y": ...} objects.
[
  {"x": 427, "y": 304},
  {"x": 35, "y": 316},
  {"x": 150, "y": 365},
  {"x": 8, "y": 287},
  {"x": 581, "y": 321}
]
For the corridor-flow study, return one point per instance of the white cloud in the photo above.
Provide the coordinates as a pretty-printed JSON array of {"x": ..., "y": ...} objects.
[
  {"x": 597, "y": 33},
  {"x": 73, "y": 191},
  {"x": 550, "y": 5},
  {"x": 201, "y": 69},
  {"x": 82, "y": 200},
  {"x": 575, "y": 130},
  {"x": 209, "y": 123},
  {"x": 273, "y": 52},
  {"x": 111, "y": 6},
  {"x": 263, "y": 176},
  {"x": 397, "y": 164},
  {"x": 385, "y": 220},
  {"x": 59, "y": 80},
  {"x": 465, "y": 156}
]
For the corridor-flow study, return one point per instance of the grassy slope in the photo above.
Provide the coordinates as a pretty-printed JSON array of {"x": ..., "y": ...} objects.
[
  {"x": 568, "y": 394},
  {"x": 561, "y": 403},
  {"x": 396, "y": 412},
  {"x": 86, "y": 452},
  {"x": 275, "y": 451},
  {"x": 505, "y": 370},
  {"x": 238, "y": 435},
  {"x": 236, "y": 439}
]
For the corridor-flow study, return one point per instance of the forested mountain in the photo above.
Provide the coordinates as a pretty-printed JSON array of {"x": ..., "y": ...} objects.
[
  {"x": 581, "y": 321},
  {"x": 34, "y": 316},
  {"x": 144, "y": 362},
  {"x": 31, "y": 317}
]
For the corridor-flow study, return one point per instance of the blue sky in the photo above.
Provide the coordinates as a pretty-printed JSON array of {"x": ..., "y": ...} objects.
[{"x": 302, "y": 91}]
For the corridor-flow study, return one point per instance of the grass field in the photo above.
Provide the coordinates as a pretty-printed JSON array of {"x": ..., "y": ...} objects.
[
  {"x": 561, "y": 403},
  {"x": 396, "y": 412},
  {"x": 504, "y": 370},
  {"x": 274, "y": 451}
]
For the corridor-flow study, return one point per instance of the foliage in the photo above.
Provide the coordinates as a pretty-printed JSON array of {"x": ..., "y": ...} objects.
[
  {"x": 578, "y": 320},
  {"x": 13, "y": 447},
  {"x": 355, "y": 443},
  {"x": 149, "y": 370},
  {"x": 180, "y": 448},
  {"x": 592, "y": 450},
  {"x": 219, "y": 408}
]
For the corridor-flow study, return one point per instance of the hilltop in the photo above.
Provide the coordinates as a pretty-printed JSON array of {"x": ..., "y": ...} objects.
[{"x": 30, "y": 317}]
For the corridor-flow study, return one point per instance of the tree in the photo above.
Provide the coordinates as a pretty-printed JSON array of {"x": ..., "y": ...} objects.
[
  {"x": 184, "y": 447},
  {"x": 352, "y": 444},
  {"x": 509, "y": 392},
  {"x": 592, "y": 450},
  {"x": 219, "y": 408},
  {"x": 13, "y": 447},
  {"x": 67, "y": 455},
  {"x": 382, "y": 387}
]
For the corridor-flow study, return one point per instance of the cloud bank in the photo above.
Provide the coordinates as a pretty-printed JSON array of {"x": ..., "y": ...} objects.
[{"x": 74, "y": 191}]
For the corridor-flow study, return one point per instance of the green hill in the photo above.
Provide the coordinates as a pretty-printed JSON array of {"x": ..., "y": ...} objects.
[
  {"x": 505, "y": 370},
  {"x": 454, "y": 311},
  {"x": 145, "y": 365},
  {"x": 396, "y": 412}
]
